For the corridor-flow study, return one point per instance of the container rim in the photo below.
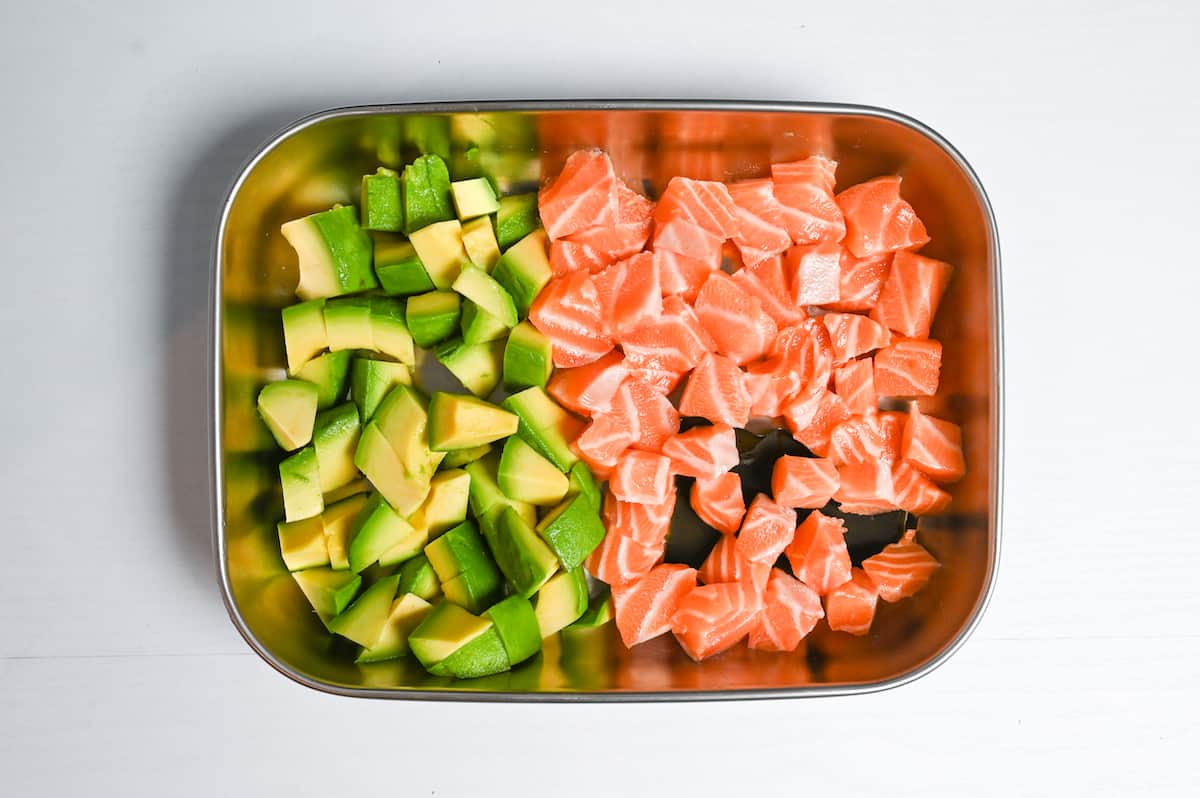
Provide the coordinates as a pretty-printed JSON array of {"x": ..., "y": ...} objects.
[{"x": 217, "y": 475}]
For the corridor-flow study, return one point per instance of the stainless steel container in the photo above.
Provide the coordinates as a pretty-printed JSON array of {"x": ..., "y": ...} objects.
[{"x": 318, "y": 161}]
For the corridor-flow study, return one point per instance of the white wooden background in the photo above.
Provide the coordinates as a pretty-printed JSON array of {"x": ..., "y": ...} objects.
[{"x": 122, "y": 125}]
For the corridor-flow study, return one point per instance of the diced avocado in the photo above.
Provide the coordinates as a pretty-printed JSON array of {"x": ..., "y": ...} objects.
[
  {"x": 446, "y": 629},
  {"x": 407, "y": 612},
  {"x": 440, "y": 248},
  {"x": 526, "y": 476},
  {"x": 479, "y": 326},
  {"x": 302, "y": 543},
  {"x": 446, "y": 505},
  {"x": 364, "y": 620},
  {"x": 517, "y": 626},
  {"x": 371, "y": 380},
  {"x": 304, "y": 334},
  {"x": 479, "y": 240},
  {"x": 460, "y": 550},
  {"x": 460, "y": 457},
  {"x": 461, "y": 422},
  {"x": 398, "y": 267},
  {"x": 417, "y": 576},
  {"x": 526, "y": 561},
  {"x": 584, "y": 483},
  {"x": 483, "y": 656},
  {"x": 334, "y": 253},
  {"x": 528, "y": 358},
  {"x": 478, "y": 286},
  {"x": 329, "y": 592},
  {"x": 381, "y": 208},
  {"x": 348, "y": 323},
  {"x": 473, "y": 198},
  {"x": 329, "y": 373},
  {"x": 352, "y": 488},
  {"x": 572, "y": 529},
  {"x": 474, "y": 590},
  {"x": 404, "y": 422},
  {"x": 516, "y": 217},
  {"x": 389, "y": 331},
  {"x": 477, "y": 366},
  {"x": 561, "y": 601},
  {"x": 524, "y": 270},
  {"x": 376, "y": 530},
  {"x": 338, "y": 521},
  {"x": 289, "y": 408},
  {"x": 379, "y": 461},
  {"x": 335, "y": 437},
  {"x": 426, "y": 193},
  {"x": 599, "y": 612},
  {"x": 406, "y": 549},
  {"x": 301, "y": 482},
  {"x": 545, "y": 426},
  {"x": 432, "y": 317},
  {"x": 486, "y": 493}
]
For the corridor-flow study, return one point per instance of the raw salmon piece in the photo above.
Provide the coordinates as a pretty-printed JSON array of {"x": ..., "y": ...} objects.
[
  {"x": 703, "y": 452},
  {"x": 814, "y": 273},
  {"x": 762, "y": 230},
  {"x": 645, "y": 606},
  {"x": 855, "y": 382},
  {"x": 648, "y": 524},
  {"x": 725, "y": 564},
  {"x": 815, "y": 169},
  {"x": 633, "y": 207},
  {"x": 908, "y": 368},
  {"x": 865, "y": 487},
  {"x": 603, "y": 441},
  {"x": 641, "y": 477},
  {"x": 568, "y": 256},
  {"x": 934, "y": 446},
  {"x": 790, "y": 611},
  {"x": 805, "y": 482},
  {"x": 712, "y": 618},
  {"x": 766, "y": 530},
  {"x": 765, "y": 282},
  {"x": 628, "y": 235},
  {"x": 772, "y": 384},
  {"x": 589, "y": 388},
  {"x": 860, "y": 280},
  {"x": 583, "y": 195},
  {"x": 675, "y": 342},
  {"x": 715, "y": 391},
  {"x": 619, "y": 559},
  {"x": 818, "y": 552},
  {"x": 850, "y": 607},
  {"x": 676, "y": 307},
  {"x": 858, "y": 439},
  {"x": 681, "y": 275},
  {"x": 878, "y": 219},
  {"x": 901, "y": 569},
  {"x": 567, "y": 311},
  {"x": 662, "y": 380},
  {"x": 851, "y": 335},
  {"x": 910, "y": 296},
  {"x": 814, "y": 214},
  {"x": 685, "y": 238},
  {"x": 916, "y": 493},
  {"x": 629, "y": 293},
  {"x": 656, "y": 418},
  {"x": 703, "y": 202},
  {"x": 719, "y": 502},
  {"x": 811, "y": 419},
  {"x": 732, "y": 318}
]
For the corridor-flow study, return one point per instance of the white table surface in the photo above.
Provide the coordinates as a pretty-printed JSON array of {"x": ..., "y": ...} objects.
[{"x": 123, "y": 123}]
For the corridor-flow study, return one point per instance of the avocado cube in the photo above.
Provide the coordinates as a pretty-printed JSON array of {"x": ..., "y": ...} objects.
[
  {"x": 485, "y": 490},
  {"x": 348, "y": 323},
  {"x": 338, "y": 522},
  {"x": 304, "y": 334},
  {"x": 477, "y": 366},
  {"x": 479, "y": 240},
  {"x": 528, "y": 358},
  {"x": 381, "y": 206},
  {"x": 364, "y": 620},
  {"x": 516, "y": 624},
  {"x": 584, "y": 483},
  {"x": 460, "y": 457},
  {"x": 561, "y": 601},
  {"x": 545, "y": 426},
  {"x": 460, "y": 422},
  {"x": 599, "y": 612},
  {"x": 447, "y": 628},
  {"x": 371, "y": 380},
  {"x": 406, "y": 614},
  {"x": 446, "y": 504},
  {"x": 301, "y": 482},
  {"x": 329, "y": 592},
  {"x": 426, "y": 193},
  {"x": 389, "y": 331},
  {"x": 398, "y": 266},
  {"x": 440, "y": 248},
  {"x": 352, "y": 488},
  {"x": 525, "y": 560},
  {"x": 473, "y": 198},
  {"x": 302, "y": 543},
  {"x": 460, "y": 550},
  {"x": 479, "y": 326},
  {"x": 474, "y": 590},
  {"x": 478, "y": 286},
  {"x": 289, "y": 409},
  {"x": 384, "y": 468},
  {"x": 329, "y": 373},
  {"x": 418, "y": 577},
  {"x": 524, "y": 270},
  {"x": 516, "y": 217},
  {"x": 483, "y": 656},
  {"x": 335, "y": 437},
  {"x": 573, "y": 530},
  {"x": 377, "y": 529},
  {"x": 403, "y": 420},
  {"x": 405, "y": 549},
  {"x": 526, "y": 476},
  {"x": 334, "y": 253},
  {"x": 432, "y": 317}
]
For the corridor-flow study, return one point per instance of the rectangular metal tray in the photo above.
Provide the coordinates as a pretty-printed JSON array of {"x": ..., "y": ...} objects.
[{"x": 318, "y": 160}]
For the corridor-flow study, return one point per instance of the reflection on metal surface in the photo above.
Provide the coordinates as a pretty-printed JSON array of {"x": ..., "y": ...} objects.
[{"x": 318, "y": 161}]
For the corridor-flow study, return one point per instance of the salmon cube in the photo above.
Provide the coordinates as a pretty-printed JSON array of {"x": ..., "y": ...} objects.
[
  {"x": 850, "y": 607},
  {"x": 814, "y": 271},
  {"x": 911, "y": 294},
  {"x": 790, "y": 611},
  {"x": 644, "y": 607},
  {"x": 908, "y": 368},
  {"x": 878, "y": 220},
  {"x": 855, "y": 383},
  {"x": 725, "y": 564},
  {"x": 916, "y": 493},
  {"x": 713, "y": 618},
  {"x": 706, "y": 203},
  {"x": 818, "y": 553},
  {"x": 805, "y": 482},
  {"x": 703, "y": 452},
  {"x": 647, "y": 524},
  {"x": 589, "y": 388},
  {"x": 583, "y": 195},
  {"x": 901, "y": 569},
  {"x": 766, "y": 530},
  {"x": 619, "y": 559},
  {"x": 934, "y": 446},
  {"x": 719, "y": 502},
  {"x": 641, "y": 477},
  {"x": 716, "y": 390}
]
